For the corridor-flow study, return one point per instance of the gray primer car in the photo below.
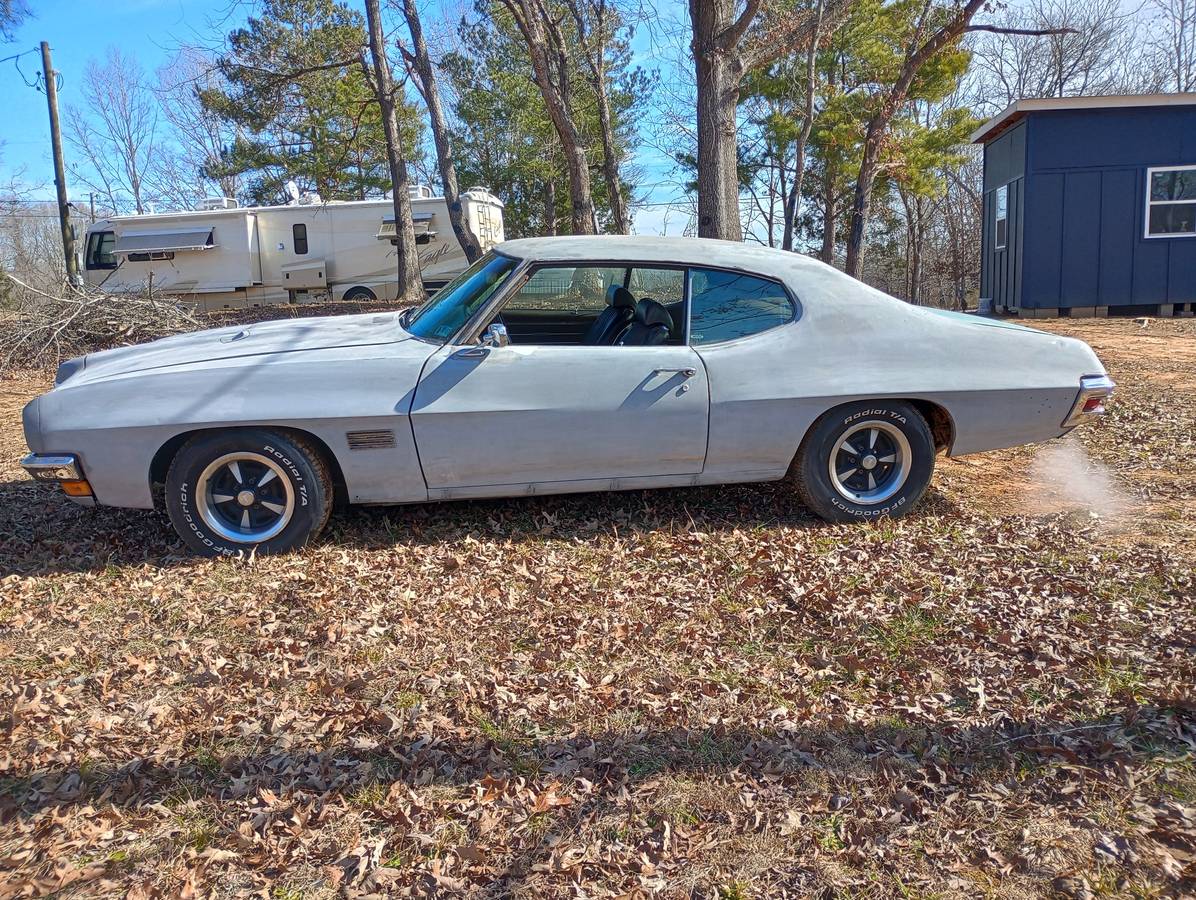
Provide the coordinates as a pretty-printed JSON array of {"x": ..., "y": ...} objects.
[{"x": 804, "y": 372}]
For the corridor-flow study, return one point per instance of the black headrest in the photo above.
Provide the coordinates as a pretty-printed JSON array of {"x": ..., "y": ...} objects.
[
  {"x": 649, "y": 312},
  {"x": 619, "y": 296}
]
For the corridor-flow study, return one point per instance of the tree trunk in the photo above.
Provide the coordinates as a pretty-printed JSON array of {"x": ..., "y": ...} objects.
[
  {"x": 549, "y": 54},
  {"x": 861, "y": 205},
  {"x": 718, "y": 81},
  {"x": 829, "y": 219},
  {"x": 593, "y": 39},
  {"x": 430, "y": 90},
  {"x": 410, "y": 287},
  {"x": 610, "y": 161},
  {"x": 550, "y": 207},
  {"x": 807, "y": 125}
]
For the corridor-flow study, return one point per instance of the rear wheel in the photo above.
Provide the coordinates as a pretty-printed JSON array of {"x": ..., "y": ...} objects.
[
  {"x": 865, "y": 460},
  {"x": 360, "y": 294},
  {"x": 235, "y": 491}
]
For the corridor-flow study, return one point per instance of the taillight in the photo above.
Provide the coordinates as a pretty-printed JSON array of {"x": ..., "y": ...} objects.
[{"x": 1090, "y": 401}]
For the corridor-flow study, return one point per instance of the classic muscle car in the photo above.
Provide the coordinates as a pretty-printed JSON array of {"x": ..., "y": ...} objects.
[{"x": 556, "y": 365}]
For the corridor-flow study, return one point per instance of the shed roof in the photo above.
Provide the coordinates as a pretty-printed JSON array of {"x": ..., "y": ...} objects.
[{"x": 1015, "y": 112}]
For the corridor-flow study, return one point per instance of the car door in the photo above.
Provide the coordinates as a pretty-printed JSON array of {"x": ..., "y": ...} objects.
[{"x": 525, "y": 415}]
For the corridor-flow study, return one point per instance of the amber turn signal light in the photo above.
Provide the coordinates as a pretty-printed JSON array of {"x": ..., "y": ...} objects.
[{"x": 78, "y": 488}]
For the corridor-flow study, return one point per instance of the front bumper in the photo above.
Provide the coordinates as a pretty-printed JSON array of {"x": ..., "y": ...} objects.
[{"x": 64, "y": 469}]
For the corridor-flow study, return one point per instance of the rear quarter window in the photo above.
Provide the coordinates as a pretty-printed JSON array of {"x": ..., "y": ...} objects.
[{"x": 729, "y": 305}]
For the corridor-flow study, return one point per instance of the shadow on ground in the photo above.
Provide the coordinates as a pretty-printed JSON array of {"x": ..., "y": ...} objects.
[
  {"x": 916, "y": 770},
  {"x": 43, "y": 532}
]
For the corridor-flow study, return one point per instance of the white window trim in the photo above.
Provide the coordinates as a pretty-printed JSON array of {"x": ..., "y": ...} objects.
[
  {"x": 1150, "y": 203},
  {"x": 1003, "y": 189}
]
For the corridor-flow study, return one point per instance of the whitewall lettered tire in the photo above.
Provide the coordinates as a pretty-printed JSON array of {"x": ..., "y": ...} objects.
[
  {"x": 865, "y": 460},
  {"x": 235, "y": 491}
]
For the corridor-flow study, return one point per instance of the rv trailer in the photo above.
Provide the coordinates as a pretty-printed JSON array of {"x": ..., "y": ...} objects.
[{"x": 225, "y": 256}]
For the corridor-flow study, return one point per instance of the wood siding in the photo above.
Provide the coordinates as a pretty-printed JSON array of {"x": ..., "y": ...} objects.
[
  {"x": 1083, "y": 241},
  {"x": 1001, "y": 269}
]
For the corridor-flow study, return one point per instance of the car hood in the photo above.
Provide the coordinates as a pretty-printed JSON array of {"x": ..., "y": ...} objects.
[{"x": 285, "y": 336}]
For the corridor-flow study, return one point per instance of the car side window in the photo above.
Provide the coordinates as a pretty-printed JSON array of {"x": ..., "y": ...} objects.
[
  {"x": 665, "y": 286},
  {"x": 729, "y": 305},
  {"x": 578, "y": 289}
]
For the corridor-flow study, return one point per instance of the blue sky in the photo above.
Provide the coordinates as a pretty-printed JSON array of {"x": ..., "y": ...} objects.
[{"x": 150, "y": 30}]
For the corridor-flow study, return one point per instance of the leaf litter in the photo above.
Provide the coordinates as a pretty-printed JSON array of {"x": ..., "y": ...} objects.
[{"x": 679, "y": 693}]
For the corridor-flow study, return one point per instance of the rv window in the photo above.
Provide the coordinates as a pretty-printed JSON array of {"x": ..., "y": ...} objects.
[
  {"x": 151, "y": 255},
  {"x": 99, "y": 250},
  {"x": 299, "y": 234}
]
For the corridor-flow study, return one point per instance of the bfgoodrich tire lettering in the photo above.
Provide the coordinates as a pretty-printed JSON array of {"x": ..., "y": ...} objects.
[
  {"x": 865, "y": 460},
  {"x": 235, "y": 491}
]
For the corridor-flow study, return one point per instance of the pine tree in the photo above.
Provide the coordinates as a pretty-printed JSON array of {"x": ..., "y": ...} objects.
[{"x": 301, "y": 105}]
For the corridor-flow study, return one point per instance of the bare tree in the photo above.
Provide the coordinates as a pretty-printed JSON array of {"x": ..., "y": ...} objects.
[
  {"x": 377, "y": 68},
  {"x": 550, "y": 54},
  {"x": 926, "y": 41},
  {"x": 725, "y": 48},
  {"x": 199, "y": 135},
  {"x": 1174, "y": 43},
  {"x": 115, "y": 132},
  {"x": 420, "y": 64},
  {"x": 12, "y": 14},
  {"x": 793, "y": 198},
  {"x": 596, "y": 21},
  {"x": 1057, "y": 48}
]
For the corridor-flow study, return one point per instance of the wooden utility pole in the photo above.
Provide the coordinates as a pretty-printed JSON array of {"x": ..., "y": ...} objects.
[{"x": 64, "y": 210}]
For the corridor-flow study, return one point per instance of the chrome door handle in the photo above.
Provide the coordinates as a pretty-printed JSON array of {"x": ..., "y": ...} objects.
[{"x": 684, "y": 372}]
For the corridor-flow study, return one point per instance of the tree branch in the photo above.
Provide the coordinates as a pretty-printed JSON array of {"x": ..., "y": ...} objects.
[
  {"x": 729, "y": 37},
  {"x": 1031, "y": 32}
]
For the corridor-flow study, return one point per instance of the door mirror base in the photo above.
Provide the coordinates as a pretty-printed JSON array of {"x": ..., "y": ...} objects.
[{"x": 495, "y": 335}]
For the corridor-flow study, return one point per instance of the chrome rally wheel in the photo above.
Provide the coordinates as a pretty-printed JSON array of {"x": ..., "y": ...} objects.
[
  {"x": 871, "y": 463},
  {"x": 230, "y": 492},
  {"x": 245, "y": 497},
  {"x": 864, "y": 460}
]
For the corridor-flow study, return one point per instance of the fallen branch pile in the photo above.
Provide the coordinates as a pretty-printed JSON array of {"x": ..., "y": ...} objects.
[{"x": 41, "y": 329}]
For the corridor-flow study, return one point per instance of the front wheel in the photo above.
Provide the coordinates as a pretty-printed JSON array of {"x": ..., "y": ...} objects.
[
  {"x": 235, "y": 491},
  {"x": 865, "y": 460}
]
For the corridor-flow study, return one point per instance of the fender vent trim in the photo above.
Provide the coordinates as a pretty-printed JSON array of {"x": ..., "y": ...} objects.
[{"x": 370, "y": 440}]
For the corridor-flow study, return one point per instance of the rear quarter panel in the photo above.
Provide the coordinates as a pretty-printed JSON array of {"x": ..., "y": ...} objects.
[{"x": 1002, "y": 385}]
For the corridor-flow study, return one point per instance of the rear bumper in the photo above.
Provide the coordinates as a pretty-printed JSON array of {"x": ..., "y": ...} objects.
[{"x": 1090, "y": 401}]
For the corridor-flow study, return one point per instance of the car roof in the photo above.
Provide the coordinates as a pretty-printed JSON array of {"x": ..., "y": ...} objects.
[{"x": 643, "y": 248}]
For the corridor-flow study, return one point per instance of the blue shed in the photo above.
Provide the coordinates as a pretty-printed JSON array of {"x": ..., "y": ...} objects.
[{"x": 1090, "y": 206}]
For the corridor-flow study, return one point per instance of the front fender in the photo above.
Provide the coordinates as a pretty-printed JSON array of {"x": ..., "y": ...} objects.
[{"x": 117, "y": 425}]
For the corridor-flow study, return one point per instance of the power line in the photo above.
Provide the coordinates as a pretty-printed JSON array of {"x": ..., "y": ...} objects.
[{"x": 15, "y": 59}]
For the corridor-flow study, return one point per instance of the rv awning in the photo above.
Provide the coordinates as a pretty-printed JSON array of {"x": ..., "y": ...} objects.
[
  {"x": 173, "y": 239},
  {"x": 421, "y": 220}
]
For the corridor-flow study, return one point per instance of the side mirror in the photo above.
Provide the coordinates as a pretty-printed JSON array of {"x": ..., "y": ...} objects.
[{"x": 495, "y": 335}]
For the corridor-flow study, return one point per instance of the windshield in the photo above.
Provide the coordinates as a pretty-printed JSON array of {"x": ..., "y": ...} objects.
[{"x": 443, "y": 314}]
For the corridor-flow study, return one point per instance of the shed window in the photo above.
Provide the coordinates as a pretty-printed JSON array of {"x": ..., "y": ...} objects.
[
  {"x": 1171, "y": 202},
  {"x": 299, "y": 238},
  {"x": 1001, "y": 211}
]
